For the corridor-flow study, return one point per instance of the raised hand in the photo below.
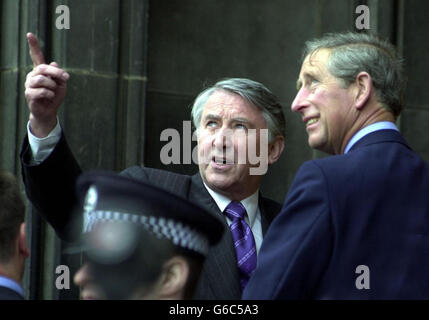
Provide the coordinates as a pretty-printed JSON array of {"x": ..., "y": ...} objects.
[{"x": 45, "y": 89}]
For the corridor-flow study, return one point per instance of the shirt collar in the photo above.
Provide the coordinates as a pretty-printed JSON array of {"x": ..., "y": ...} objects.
[
  {"x": 11, "y": 284},
  {"x": 382, "y": 125},
  {"x": 250, "y": 203}
]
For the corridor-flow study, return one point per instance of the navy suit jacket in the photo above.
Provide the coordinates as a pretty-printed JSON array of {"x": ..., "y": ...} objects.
[
  {"x": 9, "y": 294},
  {"x": 369, "y": 207},
  {"x": 50, "y": 187}
]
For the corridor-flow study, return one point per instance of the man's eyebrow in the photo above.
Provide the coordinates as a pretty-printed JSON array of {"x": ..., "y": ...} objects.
[
  {"x": 211, "y": 117},
  {"x": 236, "y": 119},
  {"x": 243, "y": 120}
]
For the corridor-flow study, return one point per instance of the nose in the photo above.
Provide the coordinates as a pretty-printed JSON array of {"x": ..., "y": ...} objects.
[
  {"x": 300, "y": 100},
  {"x": 223, "y": 138},
  {"x": 82, "y": 276}
]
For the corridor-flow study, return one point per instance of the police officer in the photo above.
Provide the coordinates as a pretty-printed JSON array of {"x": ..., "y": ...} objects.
[{"x": 139, "y": 241}]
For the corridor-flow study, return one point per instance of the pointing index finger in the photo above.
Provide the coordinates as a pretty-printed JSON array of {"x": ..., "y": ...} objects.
[{"x": 35, "y": 52}]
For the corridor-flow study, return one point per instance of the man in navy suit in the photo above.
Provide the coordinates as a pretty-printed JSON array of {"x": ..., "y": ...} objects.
[
  {"x": 13, "y": 245},
  {"x": 354, "y": 225},
  {"x": 228, "y": 116}
]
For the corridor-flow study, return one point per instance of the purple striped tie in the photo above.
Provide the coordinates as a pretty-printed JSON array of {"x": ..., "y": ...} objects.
[{"x": 244, "y": 242}]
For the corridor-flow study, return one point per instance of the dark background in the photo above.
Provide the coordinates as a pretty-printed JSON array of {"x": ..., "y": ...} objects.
[{"x": 137, "y": 65}]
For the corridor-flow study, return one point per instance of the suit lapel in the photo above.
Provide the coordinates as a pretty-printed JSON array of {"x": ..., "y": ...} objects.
[
  {"x": 199, "y": 194},
  {"x": 9, "y": 294}
]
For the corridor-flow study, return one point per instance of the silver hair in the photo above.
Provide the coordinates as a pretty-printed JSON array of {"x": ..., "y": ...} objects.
[
  {"x": 255, "y": 93},
  {"x": 351, "y": 53}
]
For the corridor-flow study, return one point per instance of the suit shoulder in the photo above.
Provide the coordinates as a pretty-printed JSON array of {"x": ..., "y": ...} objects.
[
  {"x": 9, "y": 294},
  {"x": 331, "y": 164},
  {"x": 170, "y": 181},
  {"x": 315, "y": 166},
  {"x": 312, "y": 174},
  {"x": 137, "y": 172}
]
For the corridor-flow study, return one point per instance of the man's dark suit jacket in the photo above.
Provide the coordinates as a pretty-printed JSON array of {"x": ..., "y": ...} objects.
[
  {"x": 9, "y": 294},
  {"x": 50, "y": 188},
  {"x": 367, "y": 207}
]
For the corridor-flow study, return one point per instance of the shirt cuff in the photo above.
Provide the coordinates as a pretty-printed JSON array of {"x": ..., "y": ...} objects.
[{"x": 41, "y": 148}]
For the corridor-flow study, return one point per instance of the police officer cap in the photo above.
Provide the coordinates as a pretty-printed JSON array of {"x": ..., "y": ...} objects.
[{"x": 127, "y": 206}]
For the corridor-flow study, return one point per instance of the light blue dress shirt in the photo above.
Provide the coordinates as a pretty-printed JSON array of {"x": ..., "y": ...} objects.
[
  {"x": 382, "y": 125},
  {"x": 11, "y": 284}
]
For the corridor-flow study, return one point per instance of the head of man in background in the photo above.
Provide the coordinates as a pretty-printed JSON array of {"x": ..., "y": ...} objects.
[
  {"x": 141, "y": 242},
  {"x": 230, "y": 118},
  {"x": 240, "y": 130},
  {"x": 13, "y": 245},
  {"x": 347, "y": 82}
]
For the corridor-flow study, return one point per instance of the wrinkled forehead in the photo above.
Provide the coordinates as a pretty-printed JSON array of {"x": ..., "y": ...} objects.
[
  {"x": 227, "y": 104},
  {"x": 314, "y": 66},
  {"x": 223, "y": 98},
  {"x": 316, "y": 60}
]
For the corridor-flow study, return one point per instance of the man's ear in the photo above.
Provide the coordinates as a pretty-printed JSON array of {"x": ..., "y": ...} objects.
[
  {"x": 22, "y": 241},
  {"x": 275, "y": 149},
  {"x": 174, "y": 278},
  {"x": 364, "y": 89}
]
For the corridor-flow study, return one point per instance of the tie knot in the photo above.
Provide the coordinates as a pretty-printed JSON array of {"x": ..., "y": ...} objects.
[{"x": 235, "y": 210}]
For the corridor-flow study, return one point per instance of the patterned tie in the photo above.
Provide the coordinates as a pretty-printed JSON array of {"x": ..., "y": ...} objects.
[{"x": 244, "y": 242}]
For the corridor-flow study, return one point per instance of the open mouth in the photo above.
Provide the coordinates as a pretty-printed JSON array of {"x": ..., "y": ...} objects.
[
  {"x": 222, "y": 161},
  {"x": 312, "y": 121},
  {"x": 219, "y": 160}
]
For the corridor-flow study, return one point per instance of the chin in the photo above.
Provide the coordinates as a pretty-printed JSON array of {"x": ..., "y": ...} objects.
[
  {"x": 321, "y": 147},
  {"x": 315, "y": 143},
  {"x": 220, "y": 186}
]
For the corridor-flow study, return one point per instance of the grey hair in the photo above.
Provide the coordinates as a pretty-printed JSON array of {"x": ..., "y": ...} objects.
[
  {"x": 351, "y": 53},
  {"x": 255, "y": 93}
]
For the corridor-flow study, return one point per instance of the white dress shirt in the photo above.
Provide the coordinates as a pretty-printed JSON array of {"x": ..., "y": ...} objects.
[
  {"x": 253, "y": 218},
  {"x": 41, "y": 148}
]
